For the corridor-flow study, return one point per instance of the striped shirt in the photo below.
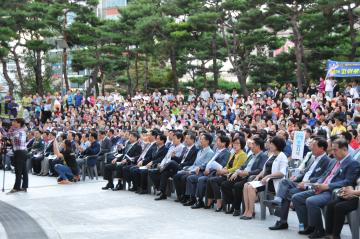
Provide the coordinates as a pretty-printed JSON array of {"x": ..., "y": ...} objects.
[{"x": 17, "y": 136}]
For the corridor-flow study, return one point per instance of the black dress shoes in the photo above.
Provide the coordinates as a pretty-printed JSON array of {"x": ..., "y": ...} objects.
[
  {"x": 13, "y": 191},
  {"x": 118, "y": 187},
  {"x": 184, "y": 199},
  {"x": 198, "y": 204},
  {"x": 161, "y": 197},
  {"x": 209, "y": 206},
  {"x": 132, "y": 189},
  {"x": 307, "y": 231},
  {"x": 108, "y": 186},
  {"x": 143, "y": 191},
  {"x": 190, "y": 202},
  {"x": 179, "y": 199},
  {"x": 236, "y": 213},
  {"x": 317, "y": 234},
  {"x": 279, "y": 226}
]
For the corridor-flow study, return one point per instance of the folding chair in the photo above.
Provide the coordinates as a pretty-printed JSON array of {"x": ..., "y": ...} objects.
[{"x": 89, "y": 167}]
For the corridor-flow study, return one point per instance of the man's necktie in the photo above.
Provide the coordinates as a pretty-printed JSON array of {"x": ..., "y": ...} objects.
[
  {"x": 184, "y": 154},
  {"x": 332, "y": 174}
]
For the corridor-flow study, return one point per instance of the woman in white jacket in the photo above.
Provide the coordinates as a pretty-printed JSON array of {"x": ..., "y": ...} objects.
[{"x": 275, "y": 166}]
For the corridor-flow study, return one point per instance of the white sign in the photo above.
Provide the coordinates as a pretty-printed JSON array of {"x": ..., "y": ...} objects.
[{"x": 298, "y": 145}]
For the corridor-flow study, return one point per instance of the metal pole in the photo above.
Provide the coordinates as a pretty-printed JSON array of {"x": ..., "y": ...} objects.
[
  {"x": 3, "y": 157},
  {"x": 3, "y": 187}
]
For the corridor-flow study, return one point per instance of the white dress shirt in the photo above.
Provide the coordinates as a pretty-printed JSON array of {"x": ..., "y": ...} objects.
[
  {"x": 312, "y": 168},
  {"x": 177, "y": 149}
]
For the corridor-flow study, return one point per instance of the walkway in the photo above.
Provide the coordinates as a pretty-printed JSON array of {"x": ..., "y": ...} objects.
[{"x": 84, "y": 211}]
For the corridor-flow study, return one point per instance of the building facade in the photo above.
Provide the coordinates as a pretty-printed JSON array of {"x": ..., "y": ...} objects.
[{"x": 110, "y": 9}]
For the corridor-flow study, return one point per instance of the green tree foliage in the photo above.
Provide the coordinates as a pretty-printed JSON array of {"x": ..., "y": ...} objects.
[
  {"x": 101, "y": 50},
  {"x": 246, "y": 38},
  {"x": 330, "y": 34},
  {"x": 206, "y": 45},
  {"x": 33, "y": 24},
  {"x": 154, "y": 43}
]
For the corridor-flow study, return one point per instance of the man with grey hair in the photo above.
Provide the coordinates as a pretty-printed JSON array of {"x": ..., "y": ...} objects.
[{"x": 341, "y": 173}]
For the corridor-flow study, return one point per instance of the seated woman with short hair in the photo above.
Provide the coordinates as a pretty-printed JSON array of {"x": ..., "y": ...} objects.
[
  {"x": 275, "y": 166},
  {"x": 236, "y": 161}
]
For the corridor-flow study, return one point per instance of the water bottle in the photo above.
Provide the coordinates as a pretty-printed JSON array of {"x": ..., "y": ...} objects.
[{"x": 301, "y": 227}]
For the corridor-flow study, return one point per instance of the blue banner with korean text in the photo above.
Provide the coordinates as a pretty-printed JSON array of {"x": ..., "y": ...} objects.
[
  {"x": 298, "y": 145},
  {"x": 342, "y": 69}
]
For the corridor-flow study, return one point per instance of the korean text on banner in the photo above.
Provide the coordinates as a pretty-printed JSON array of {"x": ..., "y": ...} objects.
[
  {"x": 342, "y": 69},
  {"x": 298, "y": 145}
]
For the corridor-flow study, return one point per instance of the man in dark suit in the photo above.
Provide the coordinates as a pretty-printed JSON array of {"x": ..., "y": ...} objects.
[
  {"x": 29, "y": 143},
  {"x": 314, "y": 170},
  {"x": 94, "y": 147},
  {"x": 114, "y": 139},
  {"x": 308, "y": 204},
  {"x": 105, "y": 147},
  {"x": 48, "y": 149},
  {"x": 92, "y": 150},
  {"x": 219, "y": 160},
  {"x": 232, "y": 189},
  {"x": 123, "y": 139},
  {"x": 151, "y": 162},
  {"x": 37, "y": 152},
  {"x": 175, "y": 151},
  {"x": 30, "y": 140},
  {"x": 187, "y": 158},
  {"x": 203, "y": 156},
  {"x": 129, "y": 156},
  {"x": 131, "y": 161},
  {"x": 145, "y": 156}
]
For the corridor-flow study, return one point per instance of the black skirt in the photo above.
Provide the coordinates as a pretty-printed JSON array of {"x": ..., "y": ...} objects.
[{"x": 271, "y": 187}]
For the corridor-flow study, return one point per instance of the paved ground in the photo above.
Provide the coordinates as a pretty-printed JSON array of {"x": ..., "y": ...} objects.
[
  {"x": 83, "y": 210},
  {"x": 11, "y": 216}
]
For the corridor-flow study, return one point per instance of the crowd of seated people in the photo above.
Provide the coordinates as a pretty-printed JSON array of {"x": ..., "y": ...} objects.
[
  {"x": 219, "y": 150},
  {"x": 221, "y": 170}
]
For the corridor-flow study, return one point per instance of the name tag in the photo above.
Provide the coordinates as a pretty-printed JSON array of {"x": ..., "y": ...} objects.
[{"x": 318, "y": 169}]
